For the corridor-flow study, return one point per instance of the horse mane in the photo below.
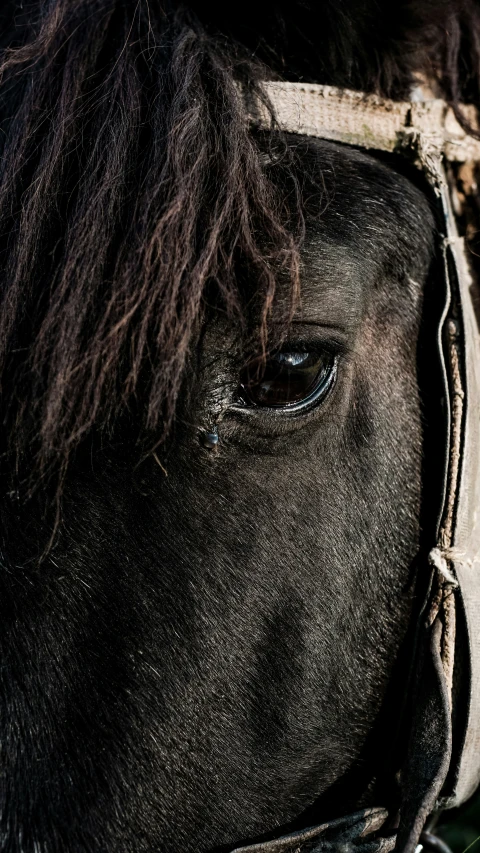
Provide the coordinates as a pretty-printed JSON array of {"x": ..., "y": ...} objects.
[{"x": 132, "y": 194}]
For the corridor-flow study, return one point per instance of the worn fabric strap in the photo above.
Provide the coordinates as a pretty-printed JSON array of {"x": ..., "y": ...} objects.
[
  {"x": 357, "y": 833},
  {"x": 369, "y": 121}
]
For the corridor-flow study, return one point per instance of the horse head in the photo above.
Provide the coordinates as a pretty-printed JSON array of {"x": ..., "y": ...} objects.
[{"x": 217, "y": 414}]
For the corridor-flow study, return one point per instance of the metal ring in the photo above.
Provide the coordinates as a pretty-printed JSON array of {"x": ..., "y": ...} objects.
[{"x": 434, "y": 843}]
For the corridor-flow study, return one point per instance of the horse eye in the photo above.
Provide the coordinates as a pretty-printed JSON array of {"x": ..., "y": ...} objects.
[{"x": 288, "y": 380}]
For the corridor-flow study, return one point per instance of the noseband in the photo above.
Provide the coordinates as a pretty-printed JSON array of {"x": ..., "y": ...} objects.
[{"x": 442, "y": 765}]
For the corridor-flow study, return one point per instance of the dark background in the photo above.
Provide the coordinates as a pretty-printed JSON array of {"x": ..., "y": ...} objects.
[{"x": 461, "y": 828}]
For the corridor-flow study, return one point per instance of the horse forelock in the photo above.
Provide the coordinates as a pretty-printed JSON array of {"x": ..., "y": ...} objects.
[{"x": 130, "y": 185}]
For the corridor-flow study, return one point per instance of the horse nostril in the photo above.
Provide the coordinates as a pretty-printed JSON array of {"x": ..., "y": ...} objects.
[{"x": 209, "y": 438}]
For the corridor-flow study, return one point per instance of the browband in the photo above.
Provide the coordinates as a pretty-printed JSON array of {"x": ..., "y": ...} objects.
[{"x": 427, "y": 127}]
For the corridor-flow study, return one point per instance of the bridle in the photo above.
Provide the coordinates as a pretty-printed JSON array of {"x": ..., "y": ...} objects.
[{"x": 442, "y": 765}]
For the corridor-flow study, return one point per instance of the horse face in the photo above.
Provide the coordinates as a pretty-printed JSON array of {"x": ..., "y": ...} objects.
[{"x": 218, "y": 626}]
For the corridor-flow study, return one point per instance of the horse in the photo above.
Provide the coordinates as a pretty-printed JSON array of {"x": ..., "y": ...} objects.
[{"x": 218, "y": 423}]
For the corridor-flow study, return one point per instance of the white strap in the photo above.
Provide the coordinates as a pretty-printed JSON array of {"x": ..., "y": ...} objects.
[{"x": 368, "y": 121}]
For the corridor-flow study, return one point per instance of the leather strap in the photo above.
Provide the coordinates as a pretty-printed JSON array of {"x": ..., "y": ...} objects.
[{"x": 357, "y": 833}]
